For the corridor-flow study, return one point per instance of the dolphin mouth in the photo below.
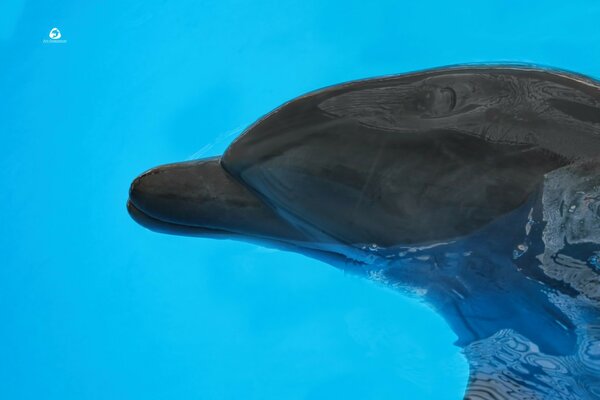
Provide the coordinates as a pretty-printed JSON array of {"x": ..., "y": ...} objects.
[{"x": 158, "y": 225}]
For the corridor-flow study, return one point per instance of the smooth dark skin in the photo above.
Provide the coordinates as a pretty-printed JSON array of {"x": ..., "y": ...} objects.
[{"x": 456, "y": 157}]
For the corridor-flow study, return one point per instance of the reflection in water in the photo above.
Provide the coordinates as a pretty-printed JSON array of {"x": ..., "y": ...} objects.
[{"x": 522, "y": 294}]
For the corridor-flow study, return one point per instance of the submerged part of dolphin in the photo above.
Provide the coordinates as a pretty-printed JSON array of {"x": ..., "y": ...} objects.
[{"x": 476, "y": 188}]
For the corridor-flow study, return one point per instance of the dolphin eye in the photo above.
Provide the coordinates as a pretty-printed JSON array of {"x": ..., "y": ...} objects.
[
  {"x": 449, "y": 97},
  {"x": 444, "y": 101},
  {"x": 434, "y": 101}
]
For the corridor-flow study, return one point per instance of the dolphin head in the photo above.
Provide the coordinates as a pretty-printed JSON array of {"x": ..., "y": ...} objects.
[
  {"x": 475, "y": 188},
  {"x": 198, "y": 198}
]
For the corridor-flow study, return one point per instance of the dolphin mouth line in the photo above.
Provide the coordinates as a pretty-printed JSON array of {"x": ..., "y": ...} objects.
[{"x": 159, "y": 225}]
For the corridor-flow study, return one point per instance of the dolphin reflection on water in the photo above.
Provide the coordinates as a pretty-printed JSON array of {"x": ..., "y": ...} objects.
[{"x": 476, "y": 188}]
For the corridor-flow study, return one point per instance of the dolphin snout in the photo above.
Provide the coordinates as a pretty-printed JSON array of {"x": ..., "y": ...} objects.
[
  {"x": 184, "y": 193},
  {"x": 199, "y": 197}
]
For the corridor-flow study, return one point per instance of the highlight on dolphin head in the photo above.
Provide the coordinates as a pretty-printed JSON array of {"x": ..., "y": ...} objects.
[{"x": 473, "y": 187}]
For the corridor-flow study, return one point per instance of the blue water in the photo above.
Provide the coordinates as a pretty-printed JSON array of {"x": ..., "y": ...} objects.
[{"x": 95, "y": 307}]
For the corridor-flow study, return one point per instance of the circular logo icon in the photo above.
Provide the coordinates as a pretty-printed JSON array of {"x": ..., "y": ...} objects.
[{"x": 54, "y": 34}]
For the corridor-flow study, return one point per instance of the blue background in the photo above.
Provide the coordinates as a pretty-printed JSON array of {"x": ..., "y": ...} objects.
[{"x": 93, "y": 306}]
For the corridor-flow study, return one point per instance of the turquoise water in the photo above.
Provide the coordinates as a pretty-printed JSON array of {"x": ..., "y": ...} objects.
[{"x": 95, "y": 307}]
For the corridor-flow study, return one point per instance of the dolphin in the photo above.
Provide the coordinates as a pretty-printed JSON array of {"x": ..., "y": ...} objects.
[{"x": 475, "y": 188}]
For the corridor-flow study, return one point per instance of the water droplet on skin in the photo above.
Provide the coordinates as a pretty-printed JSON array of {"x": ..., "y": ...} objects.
[
  {"x": 594, "y": 261},
  {"x": 520, "y": 250}
]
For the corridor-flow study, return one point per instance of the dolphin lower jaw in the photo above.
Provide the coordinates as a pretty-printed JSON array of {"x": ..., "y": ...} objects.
[{"x": 158, "y": 225}]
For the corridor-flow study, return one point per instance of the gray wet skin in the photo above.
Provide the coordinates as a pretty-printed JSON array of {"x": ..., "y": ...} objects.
[{"x": 351, "y": 173}]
